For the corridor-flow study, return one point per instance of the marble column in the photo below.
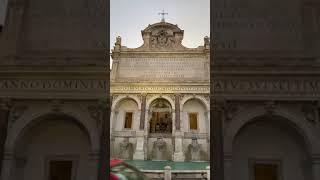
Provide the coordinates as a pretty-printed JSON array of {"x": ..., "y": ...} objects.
[
  {"x": 139, "y": 153},
  {"x": 178, "y": 147},
  {"x": 93, "y": 159},
  {"x": 177, "y": 109},
  {"x": 103, "y": 165},
  {"x": 8, "y": 164},
  {"x": 178, "y": 134},
  {"x": 316, "y": 167},
  {"x": 167, "y": 173},
  {"x": 4, "y": 115},
  {"x": 111, "y": 116},
  {"x": 228, "y": 166},
  {"x": 143, "y": 112},
  {"x": 217, "y": 114},
  {"x": 208, "y": 134}
]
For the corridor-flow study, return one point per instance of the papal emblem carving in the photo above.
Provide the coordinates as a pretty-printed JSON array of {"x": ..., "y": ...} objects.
[{"x": 162, "y": 40}]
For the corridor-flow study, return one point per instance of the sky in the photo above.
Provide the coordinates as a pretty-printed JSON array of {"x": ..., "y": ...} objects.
[{"x": 129, "y": 17}]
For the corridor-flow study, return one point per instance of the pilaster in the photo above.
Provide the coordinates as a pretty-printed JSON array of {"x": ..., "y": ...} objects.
[
  {"x": 140, "y": 151},
  {"x": 178, "y": 147}
]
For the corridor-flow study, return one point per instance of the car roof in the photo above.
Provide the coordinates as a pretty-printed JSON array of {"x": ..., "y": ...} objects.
[{"x": 115, "y": 162}]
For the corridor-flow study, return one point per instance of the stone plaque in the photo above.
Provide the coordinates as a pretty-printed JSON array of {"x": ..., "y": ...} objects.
[{"x": 163, "y": 69}]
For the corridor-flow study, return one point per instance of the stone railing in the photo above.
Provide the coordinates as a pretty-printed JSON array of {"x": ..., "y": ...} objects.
[
  {"x": 168, "y": 174},
  {"x": 190, "y": 135}
]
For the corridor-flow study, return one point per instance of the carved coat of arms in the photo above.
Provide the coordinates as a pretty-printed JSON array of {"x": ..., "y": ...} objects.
[{"x": 162, "y": 40}]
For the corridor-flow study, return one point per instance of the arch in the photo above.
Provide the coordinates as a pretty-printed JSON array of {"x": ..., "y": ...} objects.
[
  {"x": 290, "y": 118},
  {"x": 161, "y": 118},
  {"x": 149, "y": 101},
  {"x": 30, "y": 119},
  {"x": 200, "y": 98},
  {"x": 167, "y": 25},
  {"x": 122, "y": 97}
]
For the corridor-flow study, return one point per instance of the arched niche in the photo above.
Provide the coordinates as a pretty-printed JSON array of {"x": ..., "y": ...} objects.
[
  {"x": 122, "y": 108},
  {"x": 160, "y": 121}
]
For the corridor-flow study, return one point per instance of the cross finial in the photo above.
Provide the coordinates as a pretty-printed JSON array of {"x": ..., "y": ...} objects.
[{"x": 163, "y": 13}]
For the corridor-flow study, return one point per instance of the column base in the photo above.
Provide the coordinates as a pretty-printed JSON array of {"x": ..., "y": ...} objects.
[
  {"x": 178, "y": 156},
  {"x": 139, "y": 152},
  {"x": 138, "y": 155}
]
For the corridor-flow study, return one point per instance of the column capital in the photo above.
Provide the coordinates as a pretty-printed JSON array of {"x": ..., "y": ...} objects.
[
  {"x": 103, "y": 104},
  {"x": 219, "y": 104},
  {"x": 144, "y": 94}
]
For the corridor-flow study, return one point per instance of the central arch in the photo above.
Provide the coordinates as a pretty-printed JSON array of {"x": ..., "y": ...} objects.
[{"x": 161, "y": 116}]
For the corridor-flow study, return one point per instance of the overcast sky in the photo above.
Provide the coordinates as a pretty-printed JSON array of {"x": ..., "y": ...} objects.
[{"x": 129, "y": 17}]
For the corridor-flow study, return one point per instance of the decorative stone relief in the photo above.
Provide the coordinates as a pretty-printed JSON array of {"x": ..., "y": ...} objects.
[
  {"x": 207, "y": 97},
  {"x": 162, "y": 40},
  {"x": 140, "y": 96},
  {"x": 17, "y": 111},
  {"x": 269, "y": 107},
  {"x": 172, "y": 96},
  {"x": 310, "y": 112},
  {"x": 56, "y": 105},
  {"x": 114, "y": 97},
  {"x": 207, "y": 42},
  {"x": 95, "y": 113},
  {"x": 230, "y": 110},
  {"x": 117, "y": 44}
]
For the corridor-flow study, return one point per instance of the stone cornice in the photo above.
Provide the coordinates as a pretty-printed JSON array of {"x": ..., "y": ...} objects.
[
  {"x": 279, "y": 72},
  {"x": 165, "y": 88},
  {"x": 267, "y": 88},
  {"x": 196, "y": 52},
  {"x": 266, "y": 60}
]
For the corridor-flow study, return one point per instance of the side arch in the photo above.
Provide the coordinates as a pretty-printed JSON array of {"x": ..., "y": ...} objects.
[
  {"x": 295, "y": 121},
  {"x": 200, "y": 98},
  {"x": 122, "y": 97},
  {"x": 31, "y": 119}
]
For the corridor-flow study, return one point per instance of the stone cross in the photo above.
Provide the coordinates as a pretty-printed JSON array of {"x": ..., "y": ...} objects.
[{"x": 163, "y": 13}]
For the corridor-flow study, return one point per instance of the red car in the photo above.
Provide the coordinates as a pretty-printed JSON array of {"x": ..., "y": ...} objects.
[{"x": 123, "y": 171}]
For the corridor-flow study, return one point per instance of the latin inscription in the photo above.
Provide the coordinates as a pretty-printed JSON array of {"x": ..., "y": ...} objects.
[
  {"x": 53, "y": 84},
  {"x": 220, "y": 86},
  {"x": 160, "y": 89},
  {"x": 162, "y": 69},
  {"x": 283, "y": 86}
]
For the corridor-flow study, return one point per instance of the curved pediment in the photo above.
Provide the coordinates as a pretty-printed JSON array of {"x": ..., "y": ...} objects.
[
  {"x": 162, "y": 36},
  {"x": 160, "y": 25}
]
